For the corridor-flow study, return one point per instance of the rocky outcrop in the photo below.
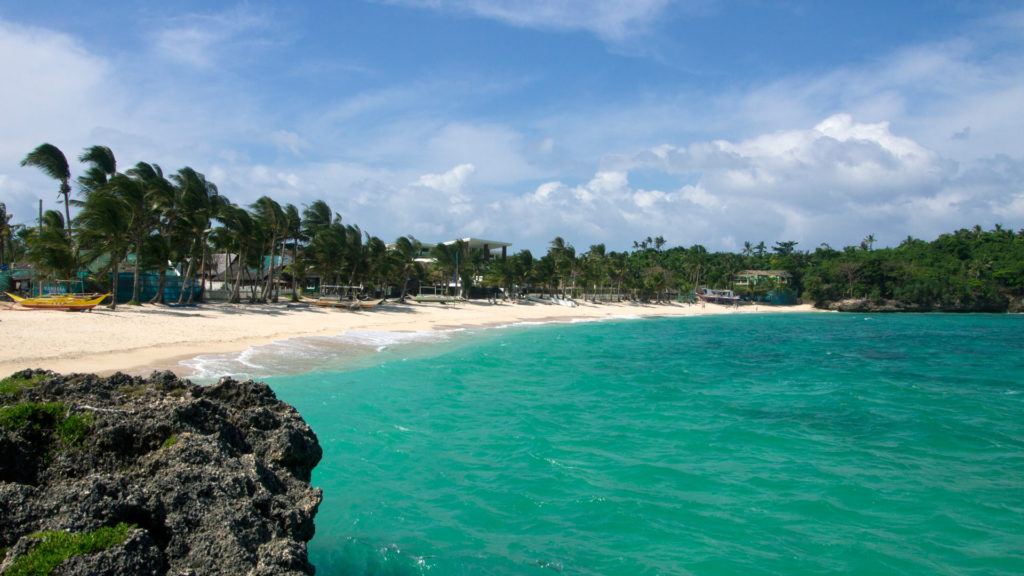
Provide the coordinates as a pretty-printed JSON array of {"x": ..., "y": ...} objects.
[
  {"x": 214, "y": 478},
  {"x": 868, "y": 305}
]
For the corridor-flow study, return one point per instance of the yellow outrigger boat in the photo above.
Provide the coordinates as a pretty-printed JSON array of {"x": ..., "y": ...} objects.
[{"x": 60, "y": 301}]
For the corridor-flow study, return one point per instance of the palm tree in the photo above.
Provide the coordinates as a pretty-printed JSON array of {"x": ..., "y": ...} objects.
[
  {"x": 102, "y": 167},
  {"x": 49, "y": 250},
  {"x": 199, "y": 202},
  {"x": 142, "y": 188},
  {"x": 316, "y": 217},
  {"x": 446, "y": 258},
  {"x": 293, "y": 232},
  {"x": 54, "y": 164},
  {"x": 159, "y": 249},
  {"x": 354, "y": 253},
  {"x": 326, "y": 250},
  {"x": 238, "y": 225},
  {"x": 6, "y": 234},
  {"x": 407, "y": 249},
  {"x": 760, "y": 249},
  {"x": 104, "y": 228},
  {"x": 271, "y": 218}
]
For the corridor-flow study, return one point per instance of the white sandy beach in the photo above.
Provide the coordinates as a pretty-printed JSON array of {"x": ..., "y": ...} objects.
[{"x": 137, "y": 340}]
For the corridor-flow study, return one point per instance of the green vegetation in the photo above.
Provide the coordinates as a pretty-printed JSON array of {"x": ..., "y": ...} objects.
[
  {"x": 52, "y": 417},
  {"x": 55, "y": 547},
  {"x": 170, "y": 441},
  {"x": 11, "y": 384},
  {"x": 142, "y": 216}
]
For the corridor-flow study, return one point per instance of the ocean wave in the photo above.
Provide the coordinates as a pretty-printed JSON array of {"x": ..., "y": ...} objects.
[{"x": 304, "y": 354}]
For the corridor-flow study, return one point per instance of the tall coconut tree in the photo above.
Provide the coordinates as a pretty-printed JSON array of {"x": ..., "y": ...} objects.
[
  {"x": 101, "y": 168},
  {"x": 326, "y": 251},
  {"x": 54, "y": 164},
  {"x": 407, "y": 249},
  {"x": 446, "y": 261},
  {"x": 199, "y": 203},
  {"x": 104, "y": 229},
  {"x": 316, "y": 217},
  {"x": 271, "y": 218},
  {"x": 6, "y": 235},
  {"x": 238, "y": 226},
  {"x": 293, "y": 232},
  {"x": 159, "y": 249},
  {"x": 355, "y": 253},
  {"x": 139, "y": 188}
]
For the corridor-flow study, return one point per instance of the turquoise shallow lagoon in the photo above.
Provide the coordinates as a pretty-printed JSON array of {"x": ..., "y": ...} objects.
[{"x": 754, "y": 444}]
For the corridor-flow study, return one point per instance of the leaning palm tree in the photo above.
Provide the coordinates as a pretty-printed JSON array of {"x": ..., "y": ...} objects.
[
  {"x": 238, "y": 226},
  {"x": 102, "y": 167},
  {"x": 49, "y": 250},
  {"x": 271, "y": 218},
  {"x": 199, "y": 202},
  {"x": 293, "y": 232},
  {"x": 142, "y": 188},
  {"x": 6, "y": 234},
  {"x": 104, "y": 228},
  {"x": 54, "y": 164},
  {"x": 316, "y": 217},
  {"x": 408, "y": 249}
]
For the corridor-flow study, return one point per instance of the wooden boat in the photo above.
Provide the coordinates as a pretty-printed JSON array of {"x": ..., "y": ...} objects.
[
  {"x": 60, "y": 301},
  {"x": 346, "y": 304}
]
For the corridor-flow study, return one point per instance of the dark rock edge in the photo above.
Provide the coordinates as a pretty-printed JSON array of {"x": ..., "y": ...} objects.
[{"x": 217, "y": 478}]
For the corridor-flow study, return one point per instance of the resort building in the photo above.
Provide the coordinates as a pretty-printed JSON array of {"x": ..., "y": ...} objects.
[
  {"x": 754, "y": 278},
  {"x": 489, "y": 248}
]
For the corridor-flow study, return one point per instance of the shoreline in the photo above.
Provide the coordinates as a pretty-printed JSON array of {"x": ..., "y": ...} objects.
[{"x": 138, "y": 340}]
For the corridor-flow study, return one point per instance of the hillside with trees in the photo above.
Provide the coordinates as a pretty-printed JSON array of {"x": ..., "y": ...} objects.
[{"x": 151, "y": 222}]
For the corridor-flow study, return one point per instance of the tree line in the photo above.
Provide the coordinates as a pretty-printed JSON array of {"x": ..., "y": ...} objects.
[{"x": 150, "y": 218}]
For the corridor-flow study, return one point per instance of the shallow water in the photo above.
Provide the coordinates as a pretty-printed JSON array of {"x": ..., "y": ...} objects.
[{"x": 774, "y": 444}]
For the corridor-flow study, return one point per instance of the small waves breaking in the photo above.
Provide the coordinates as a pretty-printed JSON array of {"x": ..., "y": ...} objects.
[{"x": 351, "y": 349}]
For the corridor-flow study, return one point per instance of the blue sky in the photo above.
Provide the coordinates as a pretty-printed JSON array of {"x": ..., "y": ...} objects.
[{"x": 707, "y": 122}]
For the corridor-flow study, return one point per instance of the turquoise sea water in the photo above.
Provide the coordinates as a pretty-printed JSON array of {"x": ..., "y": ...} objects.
[{"x": 772, "y": 444}]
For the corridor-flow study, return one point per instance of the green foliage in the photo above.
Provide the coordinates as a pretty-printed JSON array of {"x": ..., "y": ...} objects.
[
  {"x": 11, "y": 384},
  {"x": 73, "y": 429},
  {"x": 34, "y": 415},
  {"x": 56, "y": 546},
  {"x": 170, "y": 441},
  {"x": 70, "y": 429}
]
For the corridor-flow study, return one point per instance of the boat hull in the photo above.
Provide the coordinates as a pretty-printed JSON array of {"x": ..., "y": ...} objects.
[
  {"x": 718, "y": 296},
  {"x": 344, "y": 304},
  {"x": 61, "y": 302}
]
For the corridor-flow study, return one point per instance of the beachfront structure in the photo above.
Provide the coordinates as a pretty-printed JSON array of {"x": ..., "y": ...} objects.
[
  {"x": 489, "y": 248},
  {"x": 754, "y": 278}
]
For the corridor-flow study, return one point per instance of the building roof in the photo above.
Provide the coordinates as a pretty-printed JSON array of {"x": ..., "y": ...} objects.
[{"x": 780, "y": 273}]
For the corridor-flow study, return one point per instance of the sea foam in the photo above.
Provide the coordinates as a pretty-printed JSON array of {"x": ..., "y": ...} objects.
[{"x": 306, "y": 353}]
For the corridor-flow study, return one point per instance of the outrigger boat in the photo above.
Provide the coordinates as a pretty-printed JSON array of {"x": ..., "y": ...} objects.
[
  {"x": 60, "y": 301},
  {"x": 347, "y": 304}
]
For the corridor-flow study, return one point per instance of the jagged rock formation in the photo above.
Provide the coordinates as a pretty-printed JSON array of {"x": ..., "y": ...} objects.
[
  {"x": 216, "y": 478},
  {"x": 867, "y": 305}
]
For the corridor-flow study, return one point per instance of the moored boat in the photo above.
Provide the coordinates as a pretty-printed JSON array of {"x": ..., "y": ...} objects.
[
  {"x": 60, "y": 301},
  {"x": 346, "y": 304},
  {"x": 717, "y": 296}
]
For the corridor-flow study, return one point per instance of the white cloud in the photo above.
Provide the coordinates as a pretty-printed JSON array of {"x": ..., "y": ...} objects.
[
  {"x": 451, "y": 182},
  {"x": 287, "y": 140},
  {"x": 205, "y": 40},
  {"x": 611, "y": 20}
]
